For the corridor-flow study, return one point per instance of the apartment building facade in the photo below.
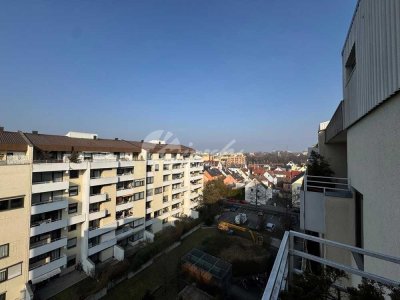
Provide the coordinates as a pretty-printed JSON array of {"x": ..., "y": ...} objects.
[
  {"x": 360, "y": 205},
  {"x": 85, "y": 200}
]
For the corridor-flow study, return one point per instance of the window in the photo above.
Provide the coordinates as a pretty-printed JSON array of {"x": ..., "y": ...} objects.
[
  {"x": 73, "y": 208},
  {"x": 4, "y": 250},
  {"x": 156, "y": 167},
  {"x": 73, "y": 190},
  {"x": 71, "y": 261},
  {"x": 351, "y": 63},
  {"x": 14, "y": 271},
  {"x": 150, "y": 180},
  {"x": 73, "y": 174},
  {"x": 7, "y": 204},
  {"x": 158, "y": 190},
  {"x": 95, "y": 173},
  {"x": 139, "y": 182},
  {"x": 166, "y": 167},
  {"x": 71, "y": 243},
  {"x": 3, "y": 275},
  {"x": 11, "y": 272},
  {"x": 165, "y": 177},
  {"x": 149, "y": 192},
  {"x": 72, "y": 228},
  {"x": 138, "y": 196}
]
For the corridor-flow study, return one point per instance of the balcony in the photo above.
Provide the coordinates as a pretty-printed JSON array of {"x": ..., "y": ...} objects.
[
  {"x": 196, "y": 186},
  {"x": 125, "y": 163},
  {"x": 196, "y": 177},
  {"x": 126, "y": 177},
  {"x": 49, "y": 166},
  {"x": 149, "y": 210},
  {"x": 177, "y": 171},
  {"x": 125, "y": 192},
  {"x": 76, "y": 219},
  {"x": 47, "y": 226},
  {"x": 149, "y": 198},
  {"x": 104, "y": 164},
  {"x": 179, "y": 190},
  {"x": 177, "y": 180},
  {"x": 45, "y": 246},
  {"x": 43, "y": 187},
  {"x": 42, "y": 207},
  {"x": 285, "y": 262},
  {"x": 101, "y": 230},
  {"x": 322, "y": 195},
  {"x": 125, "y": 220},
  {"x": 335, "y": 129},
  {"x": 98, "y": 198},
  {"x": 149, "y": 174},
  {"x": 124, "y": 233},
  {"x": 197, "y": 168},
  {"x": 175, "y": 201},
  {"x": 124, "y": 206},
  {"x": 103, "y": 180},
  {"x": 44, "y": 271},
  {"x": 102, "y": 246},
  {"x": 98, "y": 214}
]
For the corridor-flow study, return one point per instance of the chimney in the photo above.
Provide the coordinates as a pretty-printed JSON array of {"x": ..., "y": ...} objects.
[
  {"x": 35, "y": 132},
  {"x": 1, "y": 129}
]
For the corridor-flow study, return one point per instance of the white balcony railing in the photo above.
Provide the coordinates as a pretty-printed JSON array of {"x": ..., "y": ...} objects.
[
  {"x": 43, "y": 187},
  {"x": 283, "y": 266},
  {"x": 46, "y": 246},
  {"x": 98, "y": 198},
  {"x": 37, "y": 273},
  {"x": 47, "y": 226},
  {"x": 323, "y": 184},
  {"x": 55, "y": 204}
]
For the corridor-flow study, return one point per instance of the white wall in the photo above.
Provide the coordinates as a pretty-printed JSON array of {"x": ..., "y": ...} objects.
[{"x": 374, "y": 167}]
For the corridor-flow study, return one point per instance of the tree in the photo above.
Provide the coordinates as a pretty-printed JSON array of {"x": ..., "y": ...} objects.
[
  {"x": 214, "y": 191},
  {"x": 74, "y": 157},
  {"x": 318, "y": 166}
]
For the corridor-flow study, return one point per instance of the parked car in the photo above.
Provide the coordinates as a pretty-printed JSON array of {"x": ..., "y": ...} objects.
[{"x": 270, "y": 227}]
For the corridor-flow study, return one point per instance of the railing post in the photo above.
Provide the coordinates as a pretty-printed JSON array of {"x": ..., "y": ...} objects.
[{"x": 291, "y": 257}]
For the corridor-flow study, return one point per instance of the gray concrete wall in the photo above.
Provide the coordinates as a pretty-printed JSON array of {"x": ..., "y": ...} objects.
[
  {"x": 374, "y": 167},
  {"x": 335, "y": 154}
]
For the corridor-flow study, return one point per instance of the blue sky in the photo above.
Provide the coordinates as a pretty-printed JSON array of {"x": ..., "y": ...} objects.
[{"x": 260, "y": 73}]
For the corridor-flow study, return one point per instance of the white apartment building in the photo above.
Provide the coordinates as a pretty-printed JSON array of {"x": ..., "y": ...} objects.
[
  {"x": 360, "y": 205},
  {"x": 85, "y": 200}
]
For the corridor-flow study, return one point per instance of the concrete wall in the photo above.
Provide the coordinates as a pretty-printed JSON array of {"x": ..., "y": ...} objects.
[
  {"x": 339, "y": 227},
  {"x": 313, "y": 209},
  {"x": 335, "y": 154},
  {"x": 374, "y": 165}
]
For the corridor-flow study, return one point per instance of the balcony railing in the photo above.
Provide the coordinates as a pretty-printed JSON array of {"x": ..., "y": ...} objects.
[
  {"x": 322, "y": 184},
  {"x": 283, "y": 266}
]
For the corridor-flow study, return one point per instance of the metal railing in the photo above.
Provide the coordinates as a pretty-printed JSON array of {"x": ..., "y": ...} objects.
[
  {"x": 324, "y": 184},
  {"x": 283, "y": 266}
]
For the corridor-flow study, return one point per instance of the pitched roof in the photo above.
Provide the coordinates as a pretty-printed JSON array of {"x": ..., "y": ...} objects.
[
  {"x": 214, "y": 172},
  {"x": 12, "y": 141},
  {"x": 46, "y": 142}
]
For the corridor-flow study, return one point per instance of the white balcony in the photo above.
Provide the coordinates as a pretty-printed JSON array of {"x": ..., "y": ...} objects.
[
  {"x": 124, "y": 206},
  {"x": 180, "y": 190},
  {"x": 150, "y": 186},
  {"x": 98, "y": 198},
  {"x": 49, "y": 187},
  {"x": 78, "y": 166},
  {"x": 175, "y": 201},
  {"x": 149, "y": 198},
  {"x": 103, "y": 181},
  {"x": 126, "y": 163},
  {"x": 125, "y": 192},
  {"x": 126, "y": 177},
  {"x": 101, "y": 230},
  {"x": 149, "y": 210},
  {"x": 104, "y": 164},
  {"x": 46, "y": 246},
  {"x": 166, "y": 172},
  {"x": 47, "y": 226},
  {"x": 196, "y": 186},
  {"x": 126, "y": 220},
  {"x": 194, "y": 169},
  {"x": 49, "y": 206},
  {"x": 320, "y": 192},
  {"x": 196, "y": 177},
  {"x": 175, "y": 181},
  {"x": 289, "y": 253},
  {"x": 124, "y": 233},
  {"x": 102, "y": 246},
  {"x": 149, "y": 174},
  {"x": 177, "y": 171},
  {"x": 194, "y": 195},
  {"x": 47, "y": 270},
  {"x": 50, "y": 167},
  {"x": 98, "y": 214},
  {"x": 76, "y": 219}
]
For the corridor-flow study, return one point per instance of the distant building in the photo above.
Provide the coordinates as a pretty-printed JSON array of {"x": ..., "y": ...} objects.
[{"x": 257, "y": 192}]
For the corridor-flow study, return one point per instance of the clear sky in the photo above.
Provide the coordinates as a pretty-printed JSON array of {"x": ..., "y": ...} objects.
[{"x": 260, "y": 73}]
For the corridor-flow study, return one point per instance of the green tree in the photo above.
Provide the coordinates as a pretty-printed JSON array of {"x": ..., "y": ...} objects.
[{"x": 318, "y": 166}]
